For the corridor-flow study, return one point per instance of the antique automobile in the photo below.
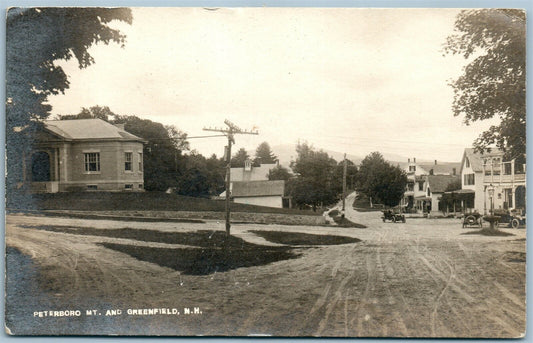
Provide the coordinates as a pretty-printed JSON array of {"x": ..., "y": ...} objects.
[
  {"x": 393, "y": 216},
  {"x": 518, "y": 220},
  {"x": 514, "y": 218},
  {"x": 472, "y": 219}
]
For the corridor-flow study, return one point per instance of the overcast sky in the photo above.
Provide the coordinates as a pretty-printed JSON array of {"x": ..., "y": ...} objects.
[{"x": 349, "y": 80}]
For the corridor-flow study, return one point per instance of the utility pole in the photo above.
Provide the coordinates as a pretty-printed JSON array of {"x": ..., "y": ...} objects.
[
  {"x": 344, "y": 185},
  {"x": 229, "y": 132}
]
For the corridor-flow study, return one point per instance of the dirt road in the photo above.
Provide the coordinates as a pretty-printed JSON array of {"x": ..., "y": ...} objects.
[{"x": 424, "y": 278}]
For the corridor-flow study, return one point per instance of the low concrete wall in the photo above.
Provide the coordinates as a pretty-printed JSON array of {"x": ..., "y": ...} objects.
[{"x": 260, "y": 218}]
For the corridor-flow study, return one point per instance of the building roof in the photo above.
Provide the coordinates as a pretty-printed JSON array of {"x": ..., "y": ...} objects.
[
  {"x": 255, "y": 174},
  {"x": 442, "y": 168},
  {"x": 258, "y": 188},
  {"x": 88, "y": 129},
  {"x": 439, "y": 183},
  {"x": 476, "y": 159}
]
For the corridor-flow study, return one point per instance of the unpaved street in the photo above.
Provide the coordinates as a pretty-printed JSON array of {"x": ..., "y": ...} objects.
[{"x": 424, "y": 278}]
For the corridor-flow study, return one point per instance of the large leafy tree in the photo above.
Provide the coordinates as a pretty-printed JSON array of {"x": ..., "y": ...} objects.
[
  {"x": 238, "y": 159},
  {"x": 202, "y": 177},
  {"x": 314, "y": 184},
  {"x": 99, "y": 112},
  {"x": 36, "y": 38},
  {"x": 264, "y": 154},
  {"x": 380, "y": 180},
  {"x": 163, "y": 153},
  {"x": 351, "y": 175},
  {"x": 493, "y": 84},
  {"x": 279, "y": 173}
]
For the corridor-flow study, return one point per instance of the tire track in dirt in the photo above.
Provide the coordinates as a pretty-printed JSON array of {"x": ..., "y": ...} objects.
[
  {"x": 438, "y": 300},
  {"x": 449, "y": 282},
  {"x": 357, "y": 320},
  {"x": 444, "y": 278},
  {"x": 337, "y": 296},
  {"x": 396, "y": 315}
]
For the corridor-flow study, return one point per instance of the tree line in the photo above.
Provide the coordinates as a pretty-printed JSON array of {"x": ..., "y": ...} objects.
[{"x": 314, "y": 179}]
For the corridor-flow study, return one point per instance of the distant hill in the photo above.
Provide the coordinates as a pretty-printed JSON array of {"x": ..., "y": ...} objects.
[{"x": 287, "y": 153}]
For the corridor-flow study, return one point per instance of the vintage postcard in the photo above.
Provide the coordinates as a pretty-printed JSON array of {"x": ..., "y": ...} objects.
[{"x": 303, "y": 172}]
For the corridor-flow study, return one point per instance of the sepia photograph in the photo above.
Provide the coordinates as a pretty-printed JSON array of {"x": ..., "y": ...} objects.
[{"x": 265, "y": 171}]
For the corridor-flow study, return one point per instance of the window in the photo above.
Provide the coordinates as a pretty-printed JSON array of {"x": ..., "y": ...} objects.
[
  {"x": 469, "y": 179},
  {"x": 140, "y": 185},
  {"x": 420, "y": 185},
  {"x": 92, "y": 162},
  {"x": 128, "y": 157},
  {"x": 412, "y": 168},
  {"x": 467, "y": 162},
  {"x": 92, "y": 187},
  {"x": 140, "y": 161},
  {"x": 128, "y": 186}
]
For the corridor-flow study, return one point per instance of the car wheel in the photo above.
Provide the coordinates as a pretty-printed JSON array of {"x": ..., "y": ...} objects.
[{"x": 515, "y": 223}]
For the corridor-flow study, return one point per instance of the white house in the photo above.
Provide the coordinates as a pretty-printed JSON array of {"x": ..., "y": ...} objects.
[
  {"x": 483, "y": 174},
  {"x": 250, "y": 185},
  {"x": 417, "y": 196},
  {"x": 261, "y": 193}
]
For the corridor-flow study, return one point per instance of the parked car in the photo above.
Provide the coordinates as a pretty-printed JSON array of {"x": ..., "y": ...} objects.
[
  {"x": 392, "y": 216},
  {"x": 472, "y": 219},
  {"x": 514, "y": 218},
  {"x": 518, "y": 218}
]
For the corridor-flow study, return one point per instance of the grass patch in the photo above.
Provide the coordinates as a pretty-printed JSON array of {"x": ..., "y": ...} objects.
[
  {"x": 343, "y": 222},
  {"x": 202, "y": 238},
  {"x": 488, "y": 232},
  {"x": 210, "y": 251},
  {"x": 136, "y": 201},
  {"x": 297, "y": 238},
  {"x": 515, "y": 256},
  {"x": 362, "y": 204},
  {"x": 334, "y": 213},
  {"x": 204, "y": 261}
]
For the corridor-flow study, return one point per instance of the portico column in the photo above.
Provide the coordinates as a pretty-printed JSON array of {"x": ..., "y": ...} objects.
[{"x": 56, "y": 164}]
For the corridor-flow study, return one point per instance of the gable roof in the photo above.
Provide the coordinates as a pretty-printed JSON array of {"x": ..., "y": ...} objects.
[
  {"x": 476, "y": 159},
  {"x": 88, "y": 129},
  {"x": 258, "y": 188},
  {"x": 439, "y": 183}
]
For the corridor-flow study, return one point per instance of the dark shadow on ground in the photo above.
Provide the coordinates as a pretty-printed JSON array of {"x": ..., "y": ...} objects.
[
  {"x": 488, "y": 232},
  {"x": 210, "y": 251},
  {"x": 515, "y": 256},
  {"x": 344, "y": 222},
  {"x": 204, "y": 261},
  {"x": 297, "y": 238}
]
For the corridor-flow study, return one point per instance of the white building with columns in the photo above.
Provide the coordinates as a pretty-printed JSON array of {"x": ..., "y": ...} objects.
[{"x": 487, "y": 173}]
